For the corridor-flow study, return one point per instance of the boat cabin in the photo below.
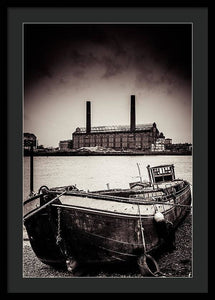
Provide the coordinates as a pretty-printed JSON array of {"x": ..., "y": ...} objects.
[{"x": 161, "y": 174}]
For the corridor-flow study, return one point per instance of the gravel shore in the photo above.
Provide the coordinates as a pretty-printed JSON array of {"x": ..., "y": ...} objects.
[{"x": 178, "y": 263}]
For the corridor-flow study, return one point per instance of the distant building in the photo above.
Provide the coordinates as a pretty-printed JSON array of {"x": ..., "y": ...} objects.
[
  {"x": 168, "y": 141},
  {"x": 133, "y": 137},
  {"x": 180, "y": 147},
  {"x": 65, "y": 145},
  {"x": 159, "y": 144},
  {"x": 30, "y": 139}
]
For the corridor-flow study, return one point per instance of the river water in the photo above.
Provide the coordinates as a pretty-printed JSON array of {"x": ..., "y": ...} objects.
[{"x": 95, "y": 172}]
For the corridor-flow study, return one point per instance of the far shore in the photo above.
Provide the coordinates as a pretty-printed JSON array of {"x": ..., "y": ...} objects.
[{"x": 116, "y": 153}]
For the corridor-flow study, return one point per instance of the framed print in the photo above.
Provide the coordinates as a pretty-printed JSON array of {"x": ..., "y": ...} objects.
[{"x": 106, "y": 156}]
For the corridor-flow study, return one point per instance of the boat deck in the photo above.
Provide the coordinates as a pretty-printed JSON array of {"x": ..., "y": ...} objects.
[
  {"x": 110, "y": 206},
  {"x": 107, "y": 206},
  {"x": 164, "y": 185}
]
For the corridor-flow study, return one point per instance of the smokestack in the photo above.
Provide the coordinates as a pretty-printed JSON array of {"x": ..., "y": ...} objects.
[
  {"x": 88, "y": 118},
  {"x": 132, "y": 125}
]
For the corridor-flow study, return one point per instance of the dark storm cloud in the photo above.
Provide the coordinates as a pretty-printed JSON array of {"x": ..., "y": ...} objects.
[
  {"x": 66, "y": 64},
  {"x": 154, "y": 52},
  {"x": 112, "y": 67}
]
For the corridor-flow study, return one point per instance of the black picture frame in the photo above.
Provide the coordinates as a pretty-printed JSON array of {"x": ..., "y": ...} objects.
[{"x": 13, "y": 17}]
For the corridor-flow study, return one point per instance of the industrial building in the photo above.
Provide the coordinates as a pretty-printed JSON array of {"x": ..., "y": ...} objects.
[{"x": 133, "y": 137}]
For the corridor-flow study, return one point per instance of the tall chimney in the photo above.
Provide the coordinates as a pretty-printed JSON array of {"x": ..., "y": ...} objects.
[
  {"x": 132, "y": 125},
  {"x": 88, "y": 118}
]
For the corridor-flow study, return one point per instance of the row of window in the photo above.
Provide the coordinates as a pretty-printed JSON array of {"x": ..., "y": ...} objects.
[
  {"x": 110, "y": 144},
  {"x": 111, "y": 139}
]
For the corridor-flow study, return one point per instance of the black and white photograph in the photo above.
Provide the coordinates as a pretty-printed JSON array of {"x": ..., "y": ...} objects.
[{"x": 107, "y": 150}]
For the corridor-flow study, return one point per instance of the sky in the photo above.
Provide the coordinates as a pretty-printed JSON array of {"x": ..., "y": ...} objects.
[{"x": 66, "y": 65}]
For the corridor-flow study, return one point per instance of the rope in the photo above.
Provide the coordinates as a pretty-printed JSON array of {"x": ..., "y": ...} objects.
[
  {"x": 42, "y": 207},
  {"x": 58, "y": 238},
  {"x": 155, "y": 207},
  {"x": 141, "y": 228},
  {"x": 158, "y": 272}
]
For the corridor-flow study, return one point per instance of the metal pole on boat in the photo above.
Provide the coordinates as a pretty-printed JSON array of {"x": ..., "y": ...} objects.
[
  {"x": 31, "y": 170},
  {"x": 139, "y": 172},
  {"x": 150, "y": 178}
]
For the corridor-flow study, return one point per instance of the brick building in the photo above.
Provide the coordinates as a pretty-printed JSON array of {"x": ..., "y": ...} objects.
[
  {"x": 65, "y": 145},
  {"x": 133, "y": 137}
]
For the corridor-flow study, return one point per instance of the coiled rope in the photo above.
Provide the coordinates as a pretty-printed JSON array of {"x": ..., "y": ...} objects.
[{"x": 142, "y": 260}]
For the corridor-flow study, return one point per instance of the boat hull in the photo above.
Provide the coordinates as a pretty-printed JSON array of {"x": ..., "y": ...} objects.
[
  {"x": 93, "y": 236},
  {"x": 87, "y": 235},
  {"x": 42, "y": 238}
]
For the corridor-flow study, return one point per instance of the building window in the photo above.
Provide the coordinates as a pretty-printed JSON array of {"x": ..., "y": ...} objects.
[{"x": 92, "y": 141}]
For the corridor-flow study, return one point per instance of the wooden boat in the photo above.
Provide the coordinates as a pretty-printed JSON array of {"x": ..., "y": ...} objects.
[{"x": 67, "y": 226}]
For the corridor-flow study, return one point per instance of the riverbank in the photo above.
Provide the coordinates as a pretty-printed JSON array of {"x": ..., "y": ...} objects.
[
  {"x": 175, "y": 264},
  {"x": 116, "y": 153}
]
